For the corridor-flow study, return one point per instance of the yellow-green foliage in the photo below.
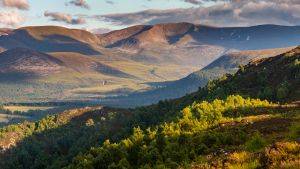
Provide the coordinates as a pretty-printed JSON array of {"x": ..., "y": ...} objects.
[
  {"x": 176, "y": 143},
  {"x": 282, "y": 155}
]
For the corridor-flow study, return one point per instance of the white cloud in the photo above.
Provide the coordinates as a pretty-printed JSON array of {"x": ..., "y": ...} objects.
[
  {"x": 80, "y": 3},
  {"x": 10, "y": 18},
  {"x": 19, "y": 4},
  {"x": 63, "y": 17},
  {"x": 228, "y": 13}
]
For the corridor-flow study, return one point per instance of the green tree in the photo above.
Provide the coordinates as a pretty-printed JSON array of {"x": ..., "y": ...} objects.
[{"x": 283, "y": 90}]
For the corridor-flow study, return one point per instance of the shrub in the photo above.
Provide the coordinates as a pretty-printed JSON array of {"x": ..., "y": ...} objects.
[
  {"x": 294, "y": 131},
  {"x": 256, "y": 142},
  {"x": 296, "y": 63},
  {"x": 281, "y": 155}
]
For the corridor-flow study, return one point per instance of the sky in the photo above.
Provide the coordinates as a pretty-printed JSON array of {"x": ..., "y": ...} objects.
[{"x": 104, "y": 15}]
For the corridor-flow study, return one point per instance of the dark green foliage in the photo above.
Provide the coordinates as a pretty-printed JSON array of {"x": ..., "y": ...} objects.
[
  {"x": 256, "y": 142},
  {"x": 283, "y": 90}
]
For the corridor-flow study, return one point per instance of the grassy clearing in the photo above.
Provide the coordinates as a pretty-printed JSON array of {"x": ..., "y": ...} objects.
[{"x": 26, "y": 108}]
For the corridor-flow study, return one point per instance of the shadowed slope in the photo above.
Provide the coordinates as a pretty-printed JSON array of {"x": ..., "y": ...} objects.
[
  {"x": 51, "y": 39},
  {"x": 27, "y": 61}
]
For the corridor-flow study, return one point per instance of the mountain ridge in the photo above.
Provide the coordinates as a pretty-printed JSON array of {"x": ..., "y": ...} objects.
[{"x": 171, "y": 33}]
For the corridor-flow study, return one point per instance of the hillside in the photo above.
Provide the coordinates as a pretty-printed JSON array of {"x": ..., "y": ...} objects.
[
  {"x": 226, "y": 64},
  {"x": 51, "y": 39},
  {"x": 26, "y": 61},
  {"x": 235, "y": 59},
  {"x": 212, "y": 127}
]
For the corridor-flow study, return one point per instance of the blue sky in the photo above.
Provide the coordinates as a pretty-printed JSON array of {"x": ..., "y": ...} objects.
[
  {"x": 116, "y": 14},
  {"x": 35, "y": 14},
  {"x": 100, "y": 7}
]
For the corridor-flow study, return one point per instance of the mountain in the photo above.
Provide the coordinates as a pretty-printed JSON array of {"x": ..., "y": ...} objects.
[
  {"x": 243, "y": 38},
  {"x": 224, "y": 124},
  {"x": 179, "y": 43},
  {"x": 51, "y": 39}
]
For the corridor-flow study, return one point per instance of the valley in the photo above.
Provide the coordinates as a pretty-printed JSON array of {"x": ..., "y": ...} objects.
[
  {"x": 150, "y": 84},
  {"x": 51, "y": 63}
]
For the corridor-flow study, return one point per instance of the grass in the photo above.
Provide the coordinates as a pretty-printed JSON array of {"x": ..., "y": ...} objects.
[{"x": 26, "y": 108}]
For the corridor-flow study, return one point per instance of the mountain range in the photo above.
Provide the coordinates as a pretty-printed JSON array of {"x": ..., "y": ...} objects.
[{"x": 51, "y": 62}]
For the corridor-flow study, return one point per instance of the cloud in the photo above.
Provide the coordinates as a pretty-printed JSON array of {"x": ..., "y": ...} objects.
[
  {"x": 110, "y": 2},
  {"x": 19, "y": 4},
  {"x": 228, "y": 13},
  {"x": 10, "y": 18},
  {"x": 80, "y": 3},
  {"x": 63, "y": 17},
  {"x": 195, "y": 2}
]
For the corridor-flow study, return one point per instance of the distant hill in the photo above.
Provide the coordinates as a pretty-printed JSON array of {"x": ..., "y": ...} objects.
[
  {"x": 180, "y": 43},
  {"x": 242, "y": 38},
  {"x": 197, "y": 45},
  {"x": 51, "y": 39},
  {"x": 235, "y": 59}
]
